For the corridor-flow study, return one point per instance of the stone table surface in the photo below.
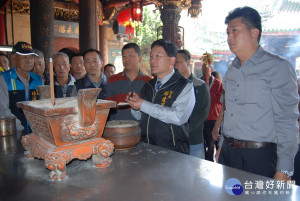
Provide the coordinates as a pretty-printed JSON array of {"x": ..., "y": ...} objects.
[{"x": 143, "y": 173}]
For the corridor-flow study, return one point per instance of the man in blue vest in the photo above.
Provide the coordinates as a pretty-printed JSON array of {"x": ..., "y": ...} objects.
[
  {"x": 19, "y": 84},
  {"x": 166, "y": 101}
]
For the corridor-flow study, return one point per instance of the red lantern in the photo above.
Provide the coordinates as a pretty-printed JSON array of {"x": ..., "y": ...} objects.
[
  {"x": 137, "y": 10},
  {"x": 124, "y": 18}
]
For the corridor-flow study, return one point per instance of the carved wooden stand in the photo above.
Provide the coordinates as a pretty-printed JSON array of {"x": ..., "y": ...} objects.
[
  {"x": 68, "y": 131},
  {"x": 56, "y": 158}
]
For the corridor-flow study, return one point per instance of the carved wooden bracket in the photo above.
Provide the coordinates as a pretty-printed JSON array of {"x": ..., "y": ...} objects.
[
  {"x": 65, "y": 12},
  {"x": 56, "y": 158}
]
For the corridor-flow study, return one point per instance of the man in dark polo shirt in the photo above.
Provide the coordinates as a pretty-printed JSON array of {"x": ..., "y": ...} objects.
[{"x": 94, "y": 78}]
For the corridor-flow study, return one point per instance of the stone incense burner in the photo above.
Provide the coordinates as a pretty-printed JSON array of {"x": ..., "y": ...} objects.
[{"x": 71, "y": 129}]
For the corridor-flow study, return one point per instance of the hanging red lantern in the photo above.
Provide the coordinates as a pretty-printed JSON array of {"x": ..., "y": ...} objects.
[
  {"x": 137, "y": 10},
  {"x": 124, "y": 18}
]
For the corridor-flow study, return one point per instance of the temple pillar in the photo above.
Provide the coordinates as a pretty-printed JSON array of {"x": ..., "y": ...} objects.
[
  {"x": 88, "y": 25},
  {"x": 42, "y": 27},
  {"x": 170, "y": 16},
  {"x": 103, "y": 43},
  {"x": 3, "y": 32}
]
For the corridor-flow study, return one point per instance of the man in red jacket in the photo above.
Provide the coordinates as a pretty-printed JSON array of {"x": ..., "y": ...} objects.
[{"x": 215, "y": 88}]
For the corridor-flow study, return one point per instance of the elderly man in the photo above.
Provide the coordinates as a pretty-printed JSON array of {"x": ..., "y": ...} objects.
[
  {"x": 260, "y": 129},
  {"x": 40, "y": 67},
  {"x": 19, "y": 84},
  {"x": 165, "y": 102},
  {"x": 201, "y": 109},
  {"x": 93, "y": 78},
  {"x": 64, "y": 82},
  {"x": 130, "y": 80}
]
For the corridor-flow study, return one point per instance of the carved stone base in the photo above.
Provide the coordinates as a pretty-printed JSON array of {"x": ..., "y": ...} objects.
[{"x": 56, "y": 158}]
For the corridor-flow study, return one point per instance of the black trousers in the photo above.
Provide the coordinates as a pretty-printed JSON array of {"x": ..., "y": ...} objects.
[
  {"x": 209, "y": 143},
  {"x": 260, "y": 161},
  {"x": 296, "y": 175}
]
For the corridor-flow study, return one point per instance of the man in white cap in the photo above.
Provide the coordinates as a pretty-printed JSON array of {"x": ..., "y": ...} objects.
[{"x": 19, "y": 84}]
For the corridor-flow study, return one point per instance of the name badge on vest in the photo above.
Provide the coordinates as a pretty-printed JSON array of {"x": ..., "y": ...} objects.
[{"x": 167, "y": 94}]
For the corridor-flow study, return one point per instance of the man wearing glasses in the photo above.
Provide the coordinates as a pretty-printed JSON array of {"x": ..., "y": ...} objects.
[{"x": 166, "y": 102}]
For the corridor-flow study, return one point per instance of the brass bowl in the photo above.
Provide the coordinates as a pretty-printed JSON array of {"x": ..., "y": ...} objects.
[
  {"x": 124, "y": 134},
  {"x": 7, "y": 126}
]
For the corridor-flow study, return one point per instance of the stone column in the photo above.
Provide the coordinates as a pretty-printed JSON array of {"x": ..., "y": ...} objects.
[
  {"x": 170, "y": 16},
  {"x": 87, "y": 25},
  {"x": 103, "y": 43},
  {"x": 42, "y": 27}
]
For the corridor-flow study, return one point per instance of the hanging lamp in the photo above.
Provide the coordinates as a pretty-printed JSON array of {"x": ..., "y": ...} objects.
[{"x": 137, "y": 10}]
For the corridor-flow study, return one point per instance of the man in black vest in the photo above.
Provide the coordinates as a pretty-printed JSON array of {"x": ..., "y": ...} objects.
[{"x": 166, "y": 101}]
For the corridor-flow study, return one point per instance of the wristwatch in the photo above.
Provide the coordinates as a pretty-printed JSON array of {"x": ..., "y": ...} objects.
[{"x": 287, "y": 173}]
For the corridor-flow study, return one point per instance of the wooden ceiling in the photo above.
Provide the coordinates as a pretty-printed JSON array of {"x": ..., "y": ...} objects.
[{"x": 68, "y": 10}]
